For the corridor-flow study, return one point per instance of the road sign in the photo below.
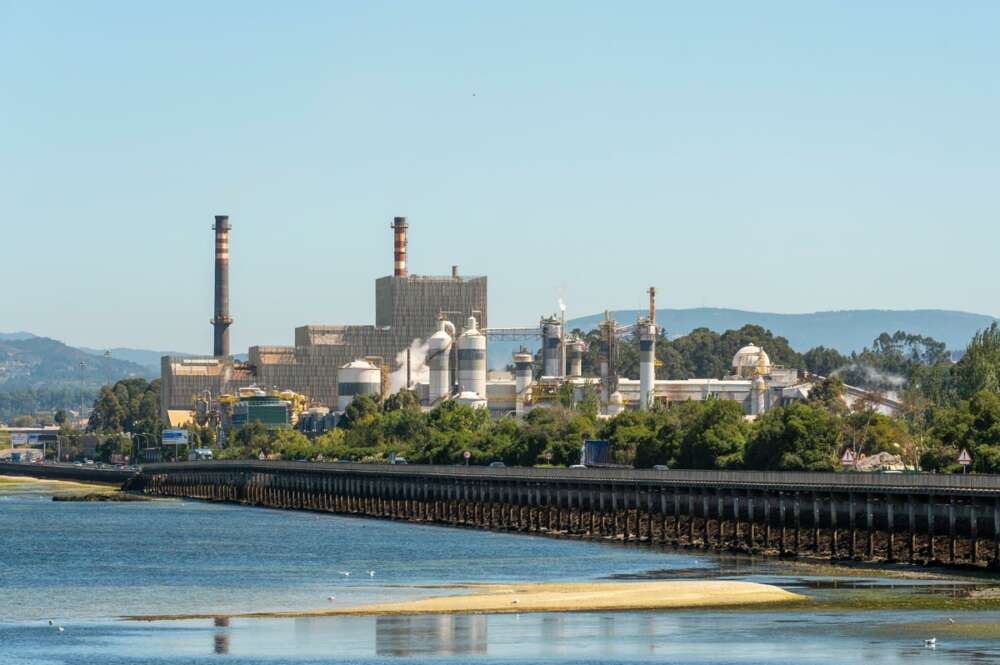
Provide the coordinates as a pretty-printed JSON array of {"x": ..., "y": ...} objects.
[
  {"x": 174, "y": 437},
  {"x": 548, "y": 456},
  {"x": 964, "y": 458},
  {"x": 848, "y": 458},
  {"x": 466, "y": 454}
]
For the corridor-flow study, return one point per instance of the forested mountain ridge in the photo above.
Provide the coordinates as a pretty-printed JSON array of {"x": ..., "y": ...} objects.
[{"x": 40, "y": 362}]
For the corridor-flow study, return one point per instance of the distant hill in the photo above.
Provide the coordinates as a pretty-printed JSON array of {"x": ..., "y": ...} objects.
[
  {"x": 40, "y": 362},
  {"x": 846, "y": 330},
  {"x": 144, "y": 357},
  {"x": 15, "y": 336}
]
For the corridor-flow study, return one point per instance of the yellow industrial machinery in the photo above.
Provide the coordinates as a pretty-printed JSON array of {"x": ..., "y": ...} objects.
[{"x": 544, "y": 392}]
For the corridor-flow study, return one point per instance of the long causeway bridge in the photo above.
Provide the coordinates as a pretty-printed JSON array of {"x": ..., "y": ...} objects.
[{"x": 917, "y": 518}]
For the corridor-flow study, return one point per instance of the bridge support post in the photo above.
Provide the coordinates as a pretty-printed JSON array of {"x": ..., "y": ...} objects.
[
  {"x": 911, "y": 523},
  {"x": 854, "y": 531},
  {"x": 973, "y": 532},
  {"x": 931, "y": 518},
  {"x": 869, "y": 528},
  {"x": 796, "y": 514},
  {"x": 890, "y": 528},
  {"x": 951, "y": 529},
  {"x": 996, "y": 532}
]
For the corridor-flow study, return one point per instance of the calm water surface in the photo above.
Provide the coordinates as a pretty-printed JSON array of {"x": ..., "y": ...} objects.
[{"x": 84, "y": 565}]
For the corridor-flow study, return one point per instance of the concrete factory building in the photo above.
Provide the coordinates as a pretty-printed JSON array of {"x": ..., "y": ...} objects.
[{"x": 407, "y": 308}]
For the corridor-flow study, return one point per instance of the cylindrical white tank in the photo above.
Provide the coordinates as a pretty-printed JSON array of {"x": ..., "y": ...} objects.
[
  {"x": 647, "y": 364},
  {"x": 758, "y": 396},
  {"x": 551, "y": 347},
  {"x": 472, "y": 359},
  {"x": 574, "y": 357},
  {"x": 616, "y": 404},
  {"x": 438, "y": 350},
  {"x": 357, "y": 378},
  {"x": 469, "y": 398},
  {"x": 522, "y": 379}
]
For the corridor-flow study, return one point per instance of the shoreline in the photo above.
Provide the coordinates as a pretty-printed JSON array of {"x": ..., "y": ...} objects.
[
  {"x": 550, "y": 597},
  {"x": 57, "y": 484}
]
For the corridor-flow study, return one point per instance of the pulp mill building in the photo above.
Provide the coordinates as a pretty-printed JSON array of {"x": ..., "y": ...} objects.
[
  {"x": 407, "y": 307},
  {"x": 330, "y": 364}
]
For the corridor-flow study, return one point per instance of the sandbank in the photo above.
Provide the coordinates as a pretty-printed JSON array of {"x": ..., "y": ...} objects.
[
  {"x": 30, "y": 483},
  {"x": 558, "y": 597}
]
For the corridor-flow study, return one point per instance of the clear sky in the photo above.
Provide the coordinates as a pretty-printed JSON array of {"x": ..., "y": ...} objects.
[{"x": 779, "y": 156}]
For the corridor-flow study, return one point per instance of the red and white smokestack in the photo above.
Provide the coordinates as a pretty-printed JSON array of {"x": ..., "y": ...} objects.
[
  {"x": 399, "y": 227},
  {"x": 222, "y": 321}
]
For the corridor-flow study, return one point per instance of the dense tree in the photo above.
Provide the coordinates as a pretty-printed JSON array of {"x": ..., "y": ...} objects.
[
  {"x": 798, "y": 437},
  {"x": 973, "y": 425},
  {"x": 361, "y": 407},
  {"x": 829, "y": 394},
  {"x": 130, "y": 405},
  {"x": 700, "y": 353},
  {"x": 823, "y": 361},
  {"x": 714, "y": 434},
  {"x": 979, "y": 368}
]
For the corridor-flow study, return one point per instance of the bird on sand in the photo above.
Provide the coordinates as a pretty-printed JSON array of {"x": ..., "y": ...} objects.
[
  {"x": 950, "y": 620},
  {"x": 60, "y": 629},
  {"x": 331, "y": 598},
  {"x": 931, "y": 643},
  {"x": 50, "y": 622},
  {"x": 371, "y": 573}
]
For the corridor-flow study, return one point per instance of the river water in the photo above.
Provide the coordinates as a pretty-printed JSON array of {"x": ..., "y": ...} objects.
[{"x": 85, "y": 565}]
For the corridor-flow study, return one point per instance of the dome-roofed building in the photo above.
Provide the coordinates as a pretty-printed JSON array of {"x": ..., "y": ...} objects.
[{"x": 751, "y": 360}]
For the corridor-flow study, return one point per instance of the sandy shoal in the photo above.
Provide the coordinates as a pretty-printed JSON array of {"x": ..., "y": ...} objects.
[
  {"x": 560, "y": 597},
  {"x": 53, "y": 484}
]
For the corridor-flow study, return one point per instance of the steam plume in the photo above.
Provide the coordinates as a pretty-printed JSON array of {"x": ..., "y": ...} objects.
[{"x": 419, "y": 372}]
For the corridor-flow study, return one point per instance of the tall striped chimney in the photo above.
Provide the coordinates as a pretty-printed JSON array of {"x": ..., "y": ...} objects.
[
  {"x": 222, "y": 321},
  {"x": 399, "y": 227}
]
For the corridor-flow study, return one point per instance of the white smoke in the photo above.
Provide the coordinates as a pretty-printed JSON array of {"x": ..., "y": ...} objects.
[
  {"x": 872, "y": 375},
  {"x": 419, "y": 372}
]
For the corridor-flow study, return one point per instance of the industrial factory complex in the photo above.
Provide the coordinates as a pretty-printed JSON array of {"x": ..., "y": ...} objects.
[{"x": 430, "y": 335}]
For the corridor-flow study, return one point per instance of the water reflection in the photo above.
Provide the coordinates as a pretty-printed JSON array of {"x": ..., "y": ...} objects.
[
  {"x": 437, "y": 635},
  {"x": 220, "y": 644},
  {"x": 220, "y": 640}
]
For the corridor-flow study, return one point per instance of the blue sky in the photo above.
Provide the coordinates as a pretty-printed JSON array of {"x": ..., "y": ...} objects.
[{"x": 786, "y": 157}]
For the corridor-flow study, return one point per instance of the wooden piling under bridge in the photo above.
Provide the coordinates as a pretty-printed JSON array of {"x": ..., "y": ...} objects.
[{"x": 916, "y": 518}]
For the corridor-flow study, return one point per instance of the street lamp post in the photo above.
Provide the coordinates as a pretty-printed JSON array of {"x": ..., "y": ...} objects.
[{"x": 135, "y": 450}]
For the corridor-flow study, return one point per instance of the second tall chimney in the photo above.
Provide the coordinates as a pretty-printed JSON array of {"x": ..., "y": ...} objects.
[
  {"x": 399, "y": 227},
  {"x": 222, "y": 321}
]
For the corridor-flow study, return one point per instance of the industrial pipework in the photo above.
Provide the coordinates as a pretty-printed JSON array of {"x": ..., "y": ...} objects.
[
  {"x": 222, "y": 320},
  {"x": 399, "y": 227}
]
